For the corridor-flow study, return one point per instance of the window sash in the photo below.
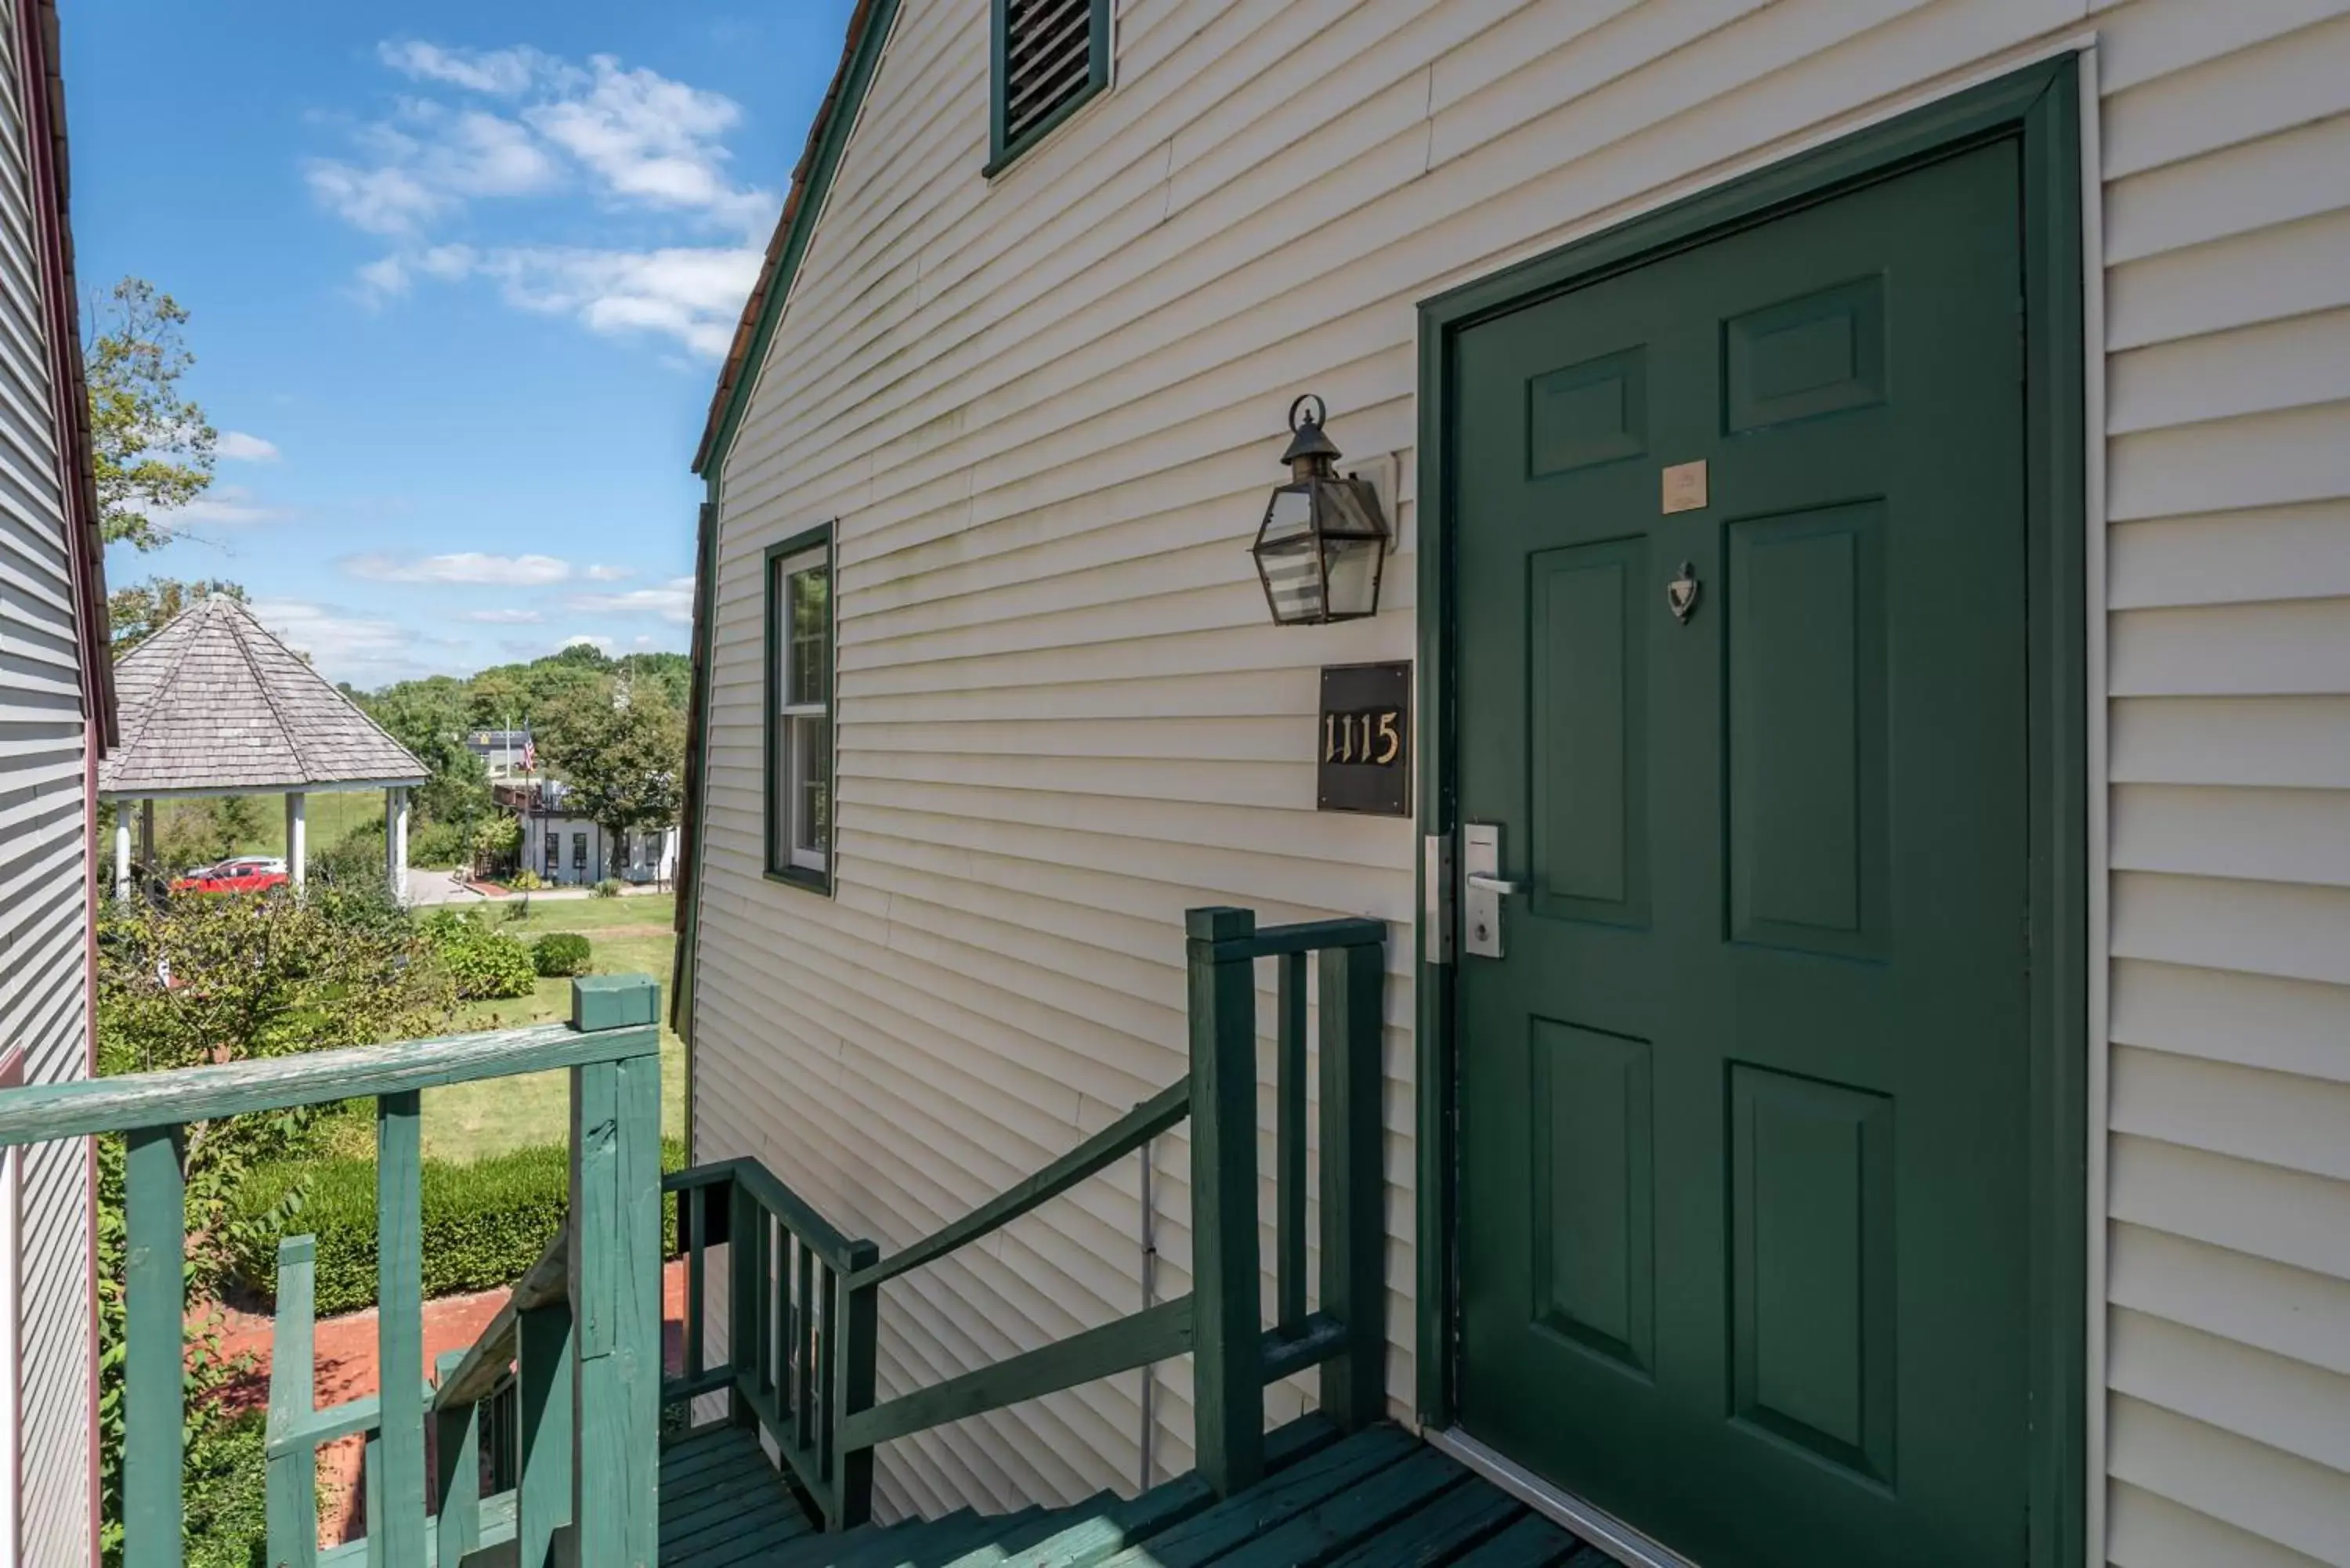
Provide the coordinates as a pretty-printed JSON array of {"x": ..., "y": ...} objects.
[{"x": 800, "y": 765}]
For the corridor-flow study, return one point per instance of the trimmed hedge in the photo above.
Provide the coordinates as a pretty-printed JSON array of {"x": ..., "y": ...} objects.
[
  {"x": 560, "y": 953},
  {"x": 484, "y": 1223},
  {"x": 484, "y": 962}
]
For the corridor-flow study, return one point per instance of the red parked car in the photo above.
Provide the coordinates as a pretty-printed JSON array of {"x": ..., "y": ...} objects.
[{"x": 245, "y": 874}]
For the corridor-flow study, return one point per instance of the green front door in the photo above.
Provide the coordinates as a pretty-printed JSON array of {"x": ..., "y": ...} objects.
[{"x": 1744, "y": 1172}]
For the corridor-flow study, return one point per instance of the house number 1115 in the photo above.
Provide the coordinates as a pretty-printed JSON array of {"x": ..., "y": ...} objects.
[{"x": 1375, "y": 737}]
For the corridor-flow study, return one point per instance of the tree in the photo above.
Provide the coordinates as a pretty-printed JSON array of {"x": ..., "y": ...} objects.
[
  {"x": 623, "y": 764},
  {"x": 138, "y": 612},
  {"x": 151, "y": 448},
  {"x": 197, "y": 979},
  {"x": 430, "y": 718}
]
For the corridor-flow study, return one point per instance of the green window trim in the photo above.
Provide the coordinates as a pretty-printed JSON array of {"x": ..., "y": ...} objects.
[
  {"x": 1003, "y": 150},
  {"x": 793, "y": 718}
]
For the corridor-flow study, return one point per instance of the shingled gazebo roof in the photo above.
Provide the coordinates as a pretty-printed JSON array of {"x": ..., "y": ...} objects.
[{"x": 213, "y": 705}]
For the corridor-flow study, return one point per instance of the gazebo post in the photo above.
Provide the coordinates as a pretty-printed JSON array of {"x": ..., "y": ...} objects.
[
  {"x": 147, "y": 836},
  {"x": 297, "y": 837},
  {"x": 123, "y": 849},
  {"x": 395, "y": 840}
]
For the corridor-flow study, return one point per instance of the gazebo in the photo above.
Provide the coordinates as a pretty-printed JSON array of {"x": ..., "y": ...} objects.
[{"x": 215, "y": 705}]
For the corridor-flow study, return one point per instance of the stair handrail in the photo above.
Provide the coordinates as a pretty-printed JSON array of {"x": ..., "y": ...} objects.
[
  {"x": 611, "y": 1046},
  {"x": 811, "y": 1293}
]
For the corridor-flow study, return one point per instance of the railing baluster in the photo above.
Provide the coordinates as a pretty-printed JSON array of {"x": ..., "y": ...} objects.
[
  {"x": 763, "y": 1312},
  {"x": 457, "y": 1474},
  {"x": 695, "y": 1201},
  {"x": 155, "y": 1303},
  {"x": 1289, "y": 1144},
  {"x": 615, "y": 1263},
  {"x": 821, "y": 1348},
  {"x": 371, "y": 1502},
  {"x": 1228, "y": 1396},
  {"x": 291, "y": 1489},
  {"x": 399, "y": 1327},
  {"x": 1353, "y": 1185},
  {"x": 803, "y": 1367},
  {"x": 543, "y": 1427},
  {"x": 744, "y": 1223}
]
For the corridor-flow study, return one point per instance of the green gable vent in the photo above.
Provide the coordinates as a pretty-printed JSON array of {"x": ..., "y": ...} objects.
[{"x": 1050, "y": 57}]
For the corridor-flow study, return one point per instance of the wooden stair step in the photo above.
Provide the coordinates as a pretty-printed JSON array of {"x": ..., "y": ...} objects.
[
  {"x": 1532, "y": 1541},
  {"x": 1237, "y": 1520},
  {"x": 1361, "y": 1511}
]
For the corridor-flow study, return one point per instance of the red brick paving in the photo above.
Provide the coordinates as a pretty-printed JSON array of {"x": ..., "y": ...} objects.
[{"x": 344, "y": 1368}]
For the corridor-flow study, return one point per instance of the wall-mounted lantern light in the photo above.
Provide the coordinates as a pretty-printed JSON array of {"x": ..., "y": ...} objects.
[{"x": 1324, "y": 541}]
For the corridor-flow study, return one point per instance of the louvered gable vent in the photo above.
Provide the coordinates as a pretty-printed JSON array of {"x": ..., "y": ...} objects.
[{"x": 1050, "y": 57}]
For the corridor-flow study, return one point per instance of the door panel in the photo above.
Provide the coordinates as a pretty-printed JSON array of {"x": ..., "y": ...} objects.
[
  {"x": 1594, "y": 1232},
  {"x": 1590, "y": 848},
  {"x": 1805, "y": 608},
  {"x": 1742, "y": 1188}
]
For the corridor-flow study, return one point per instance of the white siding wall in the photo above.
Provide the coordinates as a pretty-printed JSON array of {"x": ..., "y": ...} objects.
[
  {"x": 44, "y": 917},
  {"x": 1044, "y": 413},
  {"x": 2227, "y": 219}
]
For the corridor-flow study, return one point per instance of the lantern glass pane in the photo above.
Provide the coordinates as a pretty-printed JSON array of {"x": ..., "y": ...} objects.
[
  {"x": 1290, "y": 519},
  {"x": 1293, "y": 581},
  {"x": 1353, "y": 566},
  {"x": 1349, "y": 508}
]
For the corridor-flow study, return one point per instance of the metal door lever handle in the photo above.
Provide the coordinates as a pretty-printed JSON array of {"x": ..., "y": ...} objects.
[{"x": 1485, "y": 884}]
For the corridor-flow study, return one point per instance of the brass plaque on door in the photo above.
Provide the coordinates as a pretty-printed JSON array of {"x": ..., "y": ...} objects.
[{"x": 1685, "y": 487}]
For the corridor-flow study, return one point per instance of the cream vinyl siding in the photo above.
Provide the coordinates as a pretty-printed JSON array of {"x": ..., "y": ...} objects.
[
  {"x": 1045, "y": 411},
  {"x": 44, "y": 914}
]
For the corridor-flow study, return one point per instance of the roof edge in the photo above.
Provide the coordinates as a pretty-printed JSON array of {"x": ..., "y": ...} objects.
[{"x": 860, "y": 54}]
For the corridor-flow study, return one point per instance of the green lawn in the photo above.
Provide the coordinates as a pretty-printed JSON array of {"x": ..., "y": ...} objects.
[
  {"x": 326, "y": 818},
  {"x": 631, "y": 936}
]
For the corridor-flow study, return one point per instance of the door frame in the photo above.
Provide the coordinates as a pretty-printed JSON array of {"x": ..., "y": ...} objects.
[{"x": 2039, "y": 106}]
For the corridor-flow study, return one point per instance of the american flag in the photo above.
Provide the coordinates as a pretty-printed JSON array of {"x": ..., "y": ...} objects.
[{"x": 529, "y": 756}]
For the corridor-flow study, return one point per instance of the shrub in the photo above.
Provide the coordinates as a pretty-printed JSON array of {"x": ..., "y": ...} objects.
[
  {"x": 483, "y": 961},
  {"x": 437, "y": 846},
  {"x": 222, "y": 1486},
  {"x": 525, "y": 881},
  {"x": 610, "y": 887},
  {"x": 560, "y": 953},
  {"x": 485, "y": 1223}
]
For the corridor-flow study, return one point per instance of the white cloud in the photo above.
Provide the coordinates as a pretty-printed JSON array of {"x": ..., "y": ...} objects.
[
  {"x": 237, "y": 446},
  {"x": 505, "y": 71},
  {"x": 226, "y": 505},
  {"x": 652, "y": 140},
  {"x": 465, "y": 567},
  {"x": 362, "y": 649},
  {"x": 505, "y": 616},
  {"x": 691, "y": 294},
  {"x": 629, "y": 136},
  {"x": 602, "y": 574},
  {"x": 601, "y": 643},
  {"x": 426, "y": 162},
  {"x": 673, "y": 600}
]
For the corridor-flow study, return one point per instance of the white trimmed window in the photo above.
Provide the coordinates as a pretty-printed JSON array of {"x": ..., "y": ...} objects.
[{"x": 799, "y": 708}]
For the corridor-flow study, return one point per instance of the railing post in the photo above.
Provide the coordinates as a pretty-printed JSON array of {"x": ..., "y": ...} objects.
[
  {"x": 856, "y": 1345},
  {"x": 542, "y": 1434},
  {"x": 399, "y": 1328},
  {"x": 291, "y": 1492},
  {"x": 1353, "y": 1185},
  {"x": 155, "y": 1303},
  {"x": 457, "y": 1473},
  {"x": 1228, "y": 1376},
  {"x": 615, "y": 1286}
]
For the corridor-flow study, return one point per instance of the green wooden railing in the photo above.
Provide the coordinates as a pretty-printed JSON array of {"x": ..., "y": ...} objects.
[
  {"x": 611, "y": 1047},
  {"x": 803, "y": 1298}
]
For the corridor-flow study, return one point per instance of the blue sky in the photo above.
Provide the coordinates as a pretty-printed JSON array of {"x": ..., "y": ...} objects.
[{"x": 460, "y": 278}]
